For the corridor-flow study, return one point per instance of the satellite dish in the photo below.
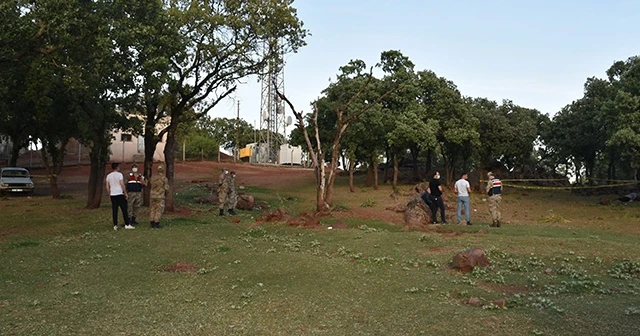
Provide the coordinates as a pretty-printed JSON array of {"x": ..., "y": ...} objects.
[{"x": 289, "y": 121}]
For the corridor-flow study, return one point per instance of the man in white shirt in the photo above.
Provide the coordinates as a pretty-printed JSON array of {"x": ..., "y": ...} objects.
[
  {"x": 118, "y": 194},
  {"x": 463, "y": 189}
]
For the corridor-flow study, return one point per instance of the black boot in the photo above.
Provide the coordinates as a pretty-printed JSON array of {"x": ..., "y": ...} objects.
[
  {"x": 153, "y": 224},
  {"x": 156, "y": 225},
  {"x": 232, "y": 212},
  {"x": 221, "y": 212}
]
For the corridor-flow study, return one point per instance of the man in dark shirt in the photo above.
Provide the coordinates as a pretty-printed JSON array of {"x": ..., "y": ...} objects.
[{"x": 435, "y": 189}]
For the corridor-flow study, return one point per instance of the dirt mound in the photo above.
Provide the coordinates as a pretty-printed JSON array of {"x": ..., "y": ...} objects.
[
  {"x": 277, "y": 215},
  {"x": 466, "y": 260},
  {"x": 305, "y": 220},
  {"x": 180, "y": 267}
]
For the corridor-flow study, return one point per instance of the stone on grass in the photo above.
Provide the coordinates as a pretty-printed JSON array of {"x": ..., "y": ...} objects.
[
  {"x": 467, "y": 260},
  {"x": 417, "y": 215},
  {"x": 474, "y": 302}
]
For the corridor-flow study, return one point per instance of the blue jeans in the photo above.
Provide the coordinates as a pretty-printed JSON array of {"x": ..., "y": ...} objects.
[{"x": 463, "y": 200}]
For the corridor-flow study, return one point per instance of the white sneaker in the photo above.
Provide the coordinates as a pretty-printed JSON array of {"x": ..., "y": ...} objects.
[
  {"x": 128, "y": 227},
  {"x": 115, "y": 228}
]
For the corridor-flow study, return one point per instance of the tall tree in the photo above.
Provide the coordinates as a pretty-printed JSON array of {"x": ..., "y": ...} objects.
[
  {"x": 346, "y": 96},
  {"x": 224, "y": 41},
  {"x": 625, "y": 79}
]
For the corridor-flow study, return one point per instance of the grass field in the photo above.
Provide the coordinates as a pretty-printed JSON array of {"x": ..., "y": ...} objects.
[{"x": 563, "y": 264}]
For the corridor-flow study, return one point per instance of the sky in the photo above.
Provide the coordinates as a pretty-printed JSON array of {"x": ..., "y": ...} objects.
[{"x": 536, "y": 53}]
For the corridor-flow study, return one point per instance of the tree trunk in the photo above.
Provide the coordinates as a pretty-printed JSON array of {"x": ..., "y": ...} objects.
[
  {"x": 15, "y": 154},
  {"x": 53, "y": 185},
  {"x": 169, "y": 158},
  {"x": 150, "y": 144},
  {"x": 415, "y": 152},
  {"x": 369, "y": 180},
  {"x": 385, "y": 177},
  {"x": 352, "y": 166},
  {"x": 395, "y": 172},
  {"x": 320, "y": 187},
  {"x": 56, "y": 153},
  {"x": 375, "y": 172},
  {"x": 99, "y": 157}
]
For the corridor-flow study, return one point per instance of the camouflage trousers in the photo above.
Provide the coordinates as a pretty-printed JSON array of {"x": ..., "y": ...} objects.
[
  {"x": 223, "y": 199},
  {"x": 232, "y": 200},
  {"x": 156, "y": 209},
  {"x": 494, "y": 207},
  {"x": 135, "y": 202}
]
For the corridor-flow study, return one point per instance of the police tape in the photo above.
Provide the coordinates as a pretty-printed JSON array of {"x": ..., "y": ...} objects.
[
  {"x": 567, "y": 187},
  {"x": 560, "y": 180}
]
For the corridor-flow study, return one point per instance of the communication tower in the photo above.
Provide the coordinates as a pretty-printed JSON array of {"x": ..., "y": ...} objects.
[{"x": 272, "y": 115}]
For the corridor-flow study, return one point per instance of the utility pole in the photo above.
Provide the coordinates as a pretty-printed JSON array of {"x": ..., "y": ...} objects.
[{"x": 237, "y": 136}]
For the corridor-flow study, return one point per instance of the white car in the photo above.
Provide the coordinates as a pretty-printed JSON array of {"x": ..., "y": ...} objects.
[{"x": 15, "y": 180}]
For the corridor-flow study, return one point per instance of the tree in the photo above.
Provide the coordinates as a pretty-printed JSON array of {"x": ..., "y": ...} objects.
[
  {"x": 223, "y": 131},
  {"x": 457, "y": 129},
  {"x": 625, "y": 80},
  {"x": 346, "y": 98},
  {"x": 408, "y": 128},
  {"x": 224, "y": 41},
  {"x": 18, "y": 41}
]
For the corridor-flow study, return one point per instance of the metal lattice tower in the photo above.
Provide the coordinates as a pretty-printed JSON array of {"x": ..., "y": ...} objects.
[{"x": 272, "y": 116}]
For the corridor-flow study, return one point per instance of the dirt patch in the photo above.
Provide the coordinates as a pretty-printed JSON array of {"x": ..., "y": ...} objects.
[
  {"x": 180, "y": 267},
  {"x": 306, "y": 221}
]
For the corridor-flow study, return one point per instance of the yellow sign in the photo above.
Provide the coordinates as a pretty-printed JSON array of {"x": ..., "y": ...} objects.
[{"x": 245, "y": 152}]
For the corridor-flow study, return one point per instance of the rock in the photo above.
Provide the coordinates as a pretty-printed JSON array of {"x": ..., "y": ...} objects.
[
  {"x": 245, "y": 202},
  {"x": 209, "y": 199},
  {"x": 548, "y": 271},
  {"x": 500, "y": 303},
  {"x": 474, "y": 302},
  {"x": 235, "y": 219},
  {"x": 417, "y": 215},
  {"x": 466, "y": 260},
  {"x": 605, "y": 202},
  {"x": 397, "y": 208}
]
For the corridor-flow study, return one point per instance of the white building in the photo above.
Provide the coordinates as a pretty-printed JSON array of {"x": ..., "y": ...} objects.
[
  {"x": 130, "y": 148},
  {"x": 290, "y": 155}
]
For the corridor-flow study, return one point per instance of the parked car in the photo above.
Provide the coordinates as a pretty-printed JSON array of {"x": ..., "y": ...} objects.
[{"x": 15, "y": 181}]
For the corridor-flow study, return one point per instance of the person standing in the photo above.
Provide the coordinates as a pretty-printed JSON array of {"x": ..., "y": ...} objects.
[
  {"x": 463, "y": 189},
  {"x": 135, "y": 183},
  {"x": 159, "y": 188},
  {"x": 118, "y": 194},
  {"x": 435, "y": 189},
  {"x": 494, "y": 190},
  {"x": 223, "y": 190},
  {"x": 232, "y": 197}
]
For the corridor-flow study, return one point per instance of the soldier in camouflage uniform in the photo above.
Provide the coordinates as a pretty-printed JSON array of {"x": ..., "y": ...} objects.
[
  {"x": 494, "y": 190},
  {"x": 159, "y": 186},
  {"x": 135, "y": 184},
  {"x": 232, "y": 198},
  {"x": 223, "y": 190}
]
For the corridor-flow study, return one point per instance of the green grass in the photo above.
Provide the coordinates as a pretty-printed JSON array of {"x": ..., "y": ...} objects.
[{"x": 65, "y": 272}]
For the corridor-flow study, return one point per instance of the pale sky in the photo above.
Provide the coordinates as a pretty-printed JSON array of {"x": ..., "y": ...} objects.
[{"x": 536, "y": 53}]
